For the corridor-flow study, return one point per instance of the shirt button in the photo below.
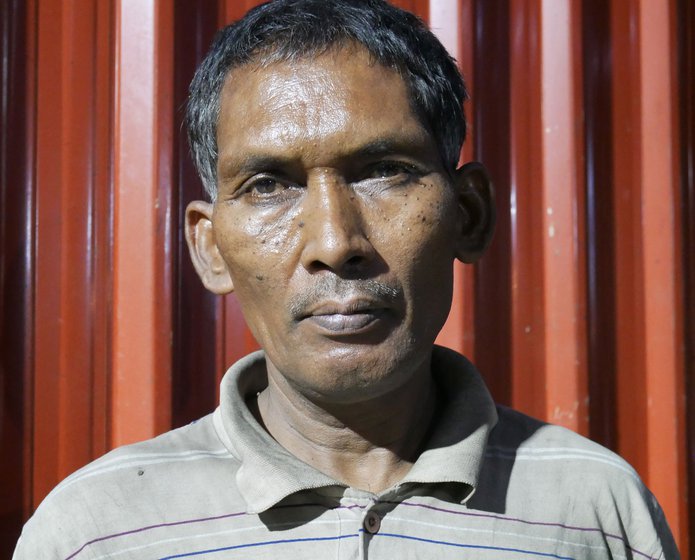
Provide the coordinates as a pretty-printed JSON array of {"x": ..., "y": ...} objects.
[{"x": 372, "y": 522}]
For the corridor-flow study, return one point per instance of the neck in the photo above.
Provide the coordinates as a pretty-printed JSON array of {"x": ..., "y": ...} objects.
[{"x": 370, "y": 444}]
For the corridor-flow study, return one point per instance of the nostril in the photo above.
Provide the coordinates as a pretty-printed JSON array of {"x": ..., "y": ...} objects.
[
  {"x": 355, "y": 261},
  {"x": 354, "y": 265},
  {"x": 318, "y": 266}
]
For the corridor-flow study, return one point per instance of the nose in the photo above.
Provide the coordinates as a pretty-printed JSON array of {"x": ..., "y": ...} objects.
[{"x": 333, "y": 227}]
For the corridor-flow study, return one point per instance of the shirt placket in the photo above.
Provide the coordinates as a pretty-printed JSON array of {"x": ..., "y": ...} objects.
[
  {"x": 371, "y": 525},
  {"x": 359, "y": 517}
]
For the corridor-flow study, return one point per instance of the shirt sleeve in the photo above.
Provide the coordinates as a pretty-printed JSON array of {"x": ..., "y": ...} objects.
[
  {"x": 55, "y": 531},
  {"x": 642, "y": 524}
]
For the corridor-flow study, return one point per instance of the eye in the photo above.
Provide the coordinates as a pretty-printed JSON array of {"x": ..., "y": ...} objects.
[
  {"x": 386, "y": 169},
  {"x": 265, "y": 188}
]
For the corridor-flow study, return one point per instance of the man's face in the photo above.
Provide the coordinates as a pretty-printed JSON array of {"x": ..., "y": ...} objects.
[{"x": 336, "y": 221}]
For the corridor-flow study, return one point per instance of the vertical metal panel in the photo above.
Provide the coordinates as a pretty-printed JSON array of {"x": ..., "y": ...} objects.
[
  {"x": 463, "y": 303},
  {"x": 17, "y": 35},
  {"x": 650, "y": 407},
  {"x": 29, "y": 263},
  {"x": 491, "y": 92},
  {"x": 48, "y": 264},
  {"x": 196, "y": 366},
  {"x": 527, "y": 209},
  {"x": 210, "y": 331},
  {"x": 662, "y": 264},
  {"x": 69, "y": 411},
  {"x": 101, "y": 217},
  {"x": 450, "y": 20},
  {"x": 686, "y": 52},
  {"x": 548, "y": 328},
  {"x": 628, "y": 277},
  {"x": 564, "y": 217},
  {"x": 142, "y": 160},
  {"x": 598, "y": 78}
]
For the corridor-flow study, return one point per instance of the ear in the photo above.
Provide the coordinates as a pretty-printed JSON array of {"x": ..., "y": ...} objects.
[
  {"x": 206, "y": 257},
  {"x": 477, "y": 207}
]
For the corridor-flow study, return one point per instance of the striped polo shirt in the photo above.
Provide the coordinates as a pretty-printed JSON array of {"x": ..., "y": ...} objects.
[{"x": 491, "y": 483}]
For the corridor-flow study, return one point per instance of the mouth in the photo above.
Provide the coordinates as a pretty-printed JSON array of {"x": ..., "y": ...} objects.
[{"x": 355, "y": 316}]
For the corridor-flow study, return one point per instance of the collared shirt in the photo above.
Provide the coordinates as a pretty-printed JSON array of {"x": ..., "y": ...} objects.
[{"x": 491, "y": 483}]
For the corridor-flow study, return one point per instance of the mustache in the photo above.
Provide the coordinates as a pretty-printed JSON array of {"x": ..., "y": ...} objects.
[{"x": 333, "y": 287}]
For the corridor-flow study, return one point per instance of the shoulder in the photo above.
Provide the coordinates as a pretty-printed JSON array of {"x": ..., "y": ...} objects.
[
  {"x": 544, "y": 473},
  {"x": 180, "y": 452},
  {"x": 548, "y": 447},
  {"x": 131, "y": 486},
  {"x": 571, "y": 470}
]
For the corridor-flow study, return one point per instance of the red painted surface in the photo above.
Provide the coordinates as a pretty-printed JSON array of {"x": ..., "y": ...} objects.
[
  {"x": 69, "y": 416},
  {"x": 598, "y": 152},
  {"x": 197, "y": 331},
  {"x": 142, "y": 163},
  {"x": 451, "y": 20},
  {"x": 686, "y": 79},
  {"x": 17, "y": 118},
  {"x": 548, "y": 327},
  {"x": 650, "y": 413},
  {"x": 581, "y": 312},
  {"x": 490, "y": 136}
]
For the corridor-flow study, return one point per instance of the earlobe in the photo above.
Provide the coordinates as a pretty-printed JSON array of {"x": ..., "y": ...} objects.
[
  {"x": 477, "y": 211},
  {"x": 205, "y": 255}
]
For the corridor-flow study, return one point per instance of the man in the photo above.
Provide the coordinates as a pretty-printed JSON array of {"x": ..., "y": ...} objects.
[{"x": 327, "y": 135}]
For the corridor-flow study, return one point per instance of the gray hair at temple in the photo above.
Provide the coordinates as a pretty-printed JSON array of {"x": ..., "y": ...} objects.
[{"x": 285, "y": 30}]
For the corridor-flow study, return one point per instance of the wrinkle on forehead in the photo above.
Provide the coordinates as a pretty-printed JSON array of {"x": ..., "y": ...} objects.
[
  {"x": 291, "y": 95},
  {"x": 307, "y": 104}
]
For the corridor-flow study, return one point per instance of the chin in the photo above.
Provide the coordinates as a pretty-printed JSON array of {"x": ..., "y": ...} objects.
[{"x": 354, "y": 376}]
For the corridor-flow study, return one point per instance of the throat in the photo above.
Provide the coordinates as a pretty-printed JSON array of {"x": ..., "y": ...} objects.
[{"x": 370, "y": 446}]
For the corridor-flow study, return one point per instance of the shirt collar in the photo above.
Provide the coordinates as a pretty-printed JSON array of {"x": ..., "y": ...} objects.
[{"x": 268, "y": 473}]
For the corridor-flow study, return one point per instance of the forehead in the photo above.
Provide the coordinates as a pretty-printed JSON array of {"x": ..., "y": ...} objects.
[{"x": 315, "y": 107}]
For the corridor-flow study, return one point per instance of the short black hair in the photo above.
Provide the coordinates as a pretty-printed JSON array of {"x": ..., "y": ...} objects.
[{"x": 285, "y": 30}]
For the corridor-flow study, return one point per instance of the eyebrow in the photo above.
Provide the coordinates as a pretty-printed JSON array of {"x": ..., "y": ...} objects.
[
  {"x": 262, "y": 162},
  {"x": 381, "y": 147},
  {"x": 385, "y": 147}
]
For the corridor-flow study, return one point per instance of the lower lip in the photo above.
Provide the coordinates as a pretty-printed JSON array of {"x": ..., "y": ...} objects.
[{"x": 343, "y": 324}]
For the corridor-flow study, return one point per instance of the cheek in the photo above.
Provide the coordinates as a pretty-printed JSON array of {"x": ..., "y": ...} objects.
[
  {"x": 256, "y": 254},
  {"x": 256, "y": 247},
  {"x": 421, "y": 223},
  {"x": 423, "y": 250}
]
